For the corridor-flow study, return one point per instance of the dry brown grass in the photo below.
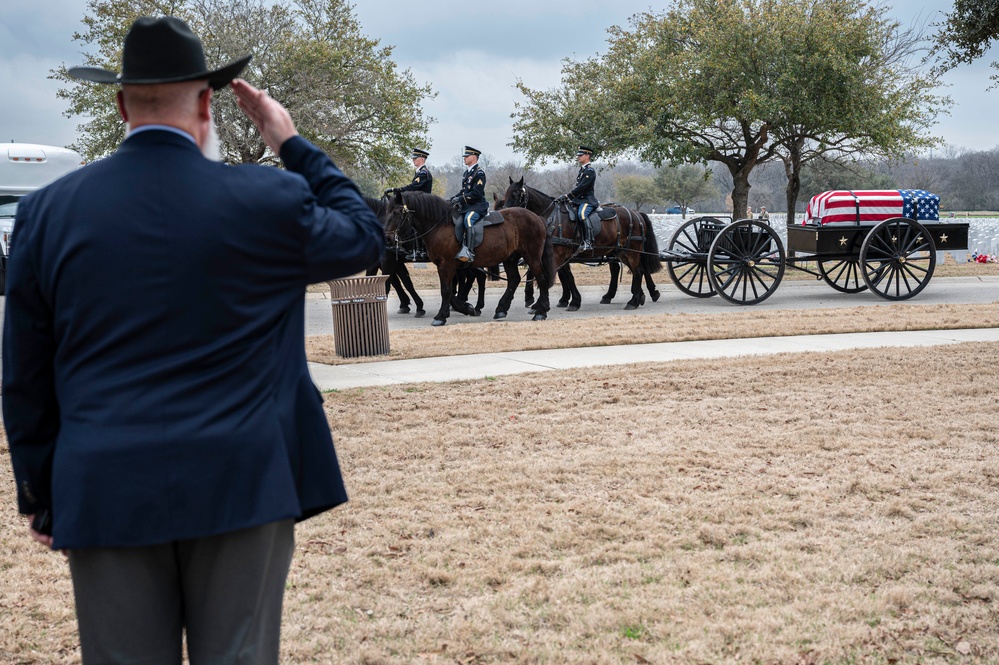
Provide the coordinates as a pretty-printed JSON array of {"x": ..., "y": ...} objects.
[
  {"x": 552, "y": 334},
  {"x": 814, "y": 508},
  {"x": 425, "y": 278}
]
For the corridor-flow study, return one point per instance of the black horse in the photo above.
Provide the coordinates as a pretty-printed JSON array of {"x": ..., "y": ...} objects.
[
  {"x": 628, "y": 239},
  {"x": 522, "y": 234},
  {"x": 394, "y": 265}
]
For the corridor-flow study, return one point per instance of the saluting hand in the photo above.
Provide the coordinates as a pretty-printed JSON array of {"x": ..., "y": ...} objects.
[{"x": 272, "y": 119}]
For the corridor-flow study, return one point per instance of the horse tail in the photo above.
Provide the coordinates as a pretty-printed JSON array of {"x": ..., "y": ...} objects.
[
  {"x": 548, "y": 270},
  {"x": 651, "y": 261}
]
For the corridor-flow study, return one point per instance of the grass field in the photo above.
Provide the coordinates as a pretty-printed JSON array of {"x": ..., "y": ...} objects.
[{"x": 813, "y": 508}]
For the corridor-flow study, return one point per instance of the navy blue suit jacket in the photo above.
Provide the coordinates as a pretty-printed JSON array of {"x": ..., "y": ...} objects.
[{"x": 155, "y": 385}]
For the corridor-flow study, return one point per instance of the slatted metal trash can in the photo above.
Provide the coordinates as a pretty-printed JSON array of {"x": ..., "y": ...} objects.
[{"x": 360, "y": 316}]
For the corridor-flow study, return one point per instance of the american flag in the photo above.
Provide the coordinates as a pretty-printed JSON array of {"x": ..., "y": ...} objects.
[{"x": 874, "y": 206}]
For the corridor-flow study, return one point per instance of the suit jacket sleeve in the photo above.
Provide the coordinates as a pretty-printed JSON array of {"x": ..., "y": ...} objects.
[
  {"x": 342, "y": 236},
  {"x": 30, "y": 410}
]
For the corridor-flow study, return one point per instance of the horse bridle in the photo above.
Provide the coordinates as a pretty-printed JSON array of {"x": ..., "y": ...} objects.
[{"x": 407, "y": 222}]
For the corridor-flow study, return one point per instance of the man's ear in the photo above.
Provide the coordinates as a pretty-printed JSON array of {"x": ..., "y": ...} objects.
[
  {"x": 120, "y": 97},
  {"x": 205, "y": 103}
]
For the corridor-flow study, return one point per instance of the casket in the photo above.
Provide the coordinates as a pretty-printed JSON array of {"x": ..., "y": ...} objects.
[{"x": 871, "y": 206}]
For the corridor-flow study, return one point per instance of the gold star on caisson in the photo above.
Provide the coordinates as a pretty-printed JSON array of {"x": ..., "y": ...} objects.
[
  {"x": 943, "y": 238},
  {"x": 842, "y": 241},
  {"x": 919, "y": 240},
  {"x": 894, "y": 238}
]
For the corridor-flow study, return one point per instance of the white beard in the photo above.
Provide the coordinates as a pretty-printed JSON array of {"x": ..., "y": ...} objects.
[{"x": 213, "y": 146}]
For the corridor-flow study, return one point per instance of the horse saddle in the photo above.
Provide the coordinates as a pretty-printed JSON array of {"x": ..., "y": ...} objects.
[
  {"x": 594, "y": 219},
  {"x": 490, "y": 218}
]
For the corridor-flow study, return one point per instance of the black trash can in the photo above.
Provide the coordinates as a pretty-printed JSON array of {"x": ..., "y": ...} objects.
[{"x": 360, "y": 316}]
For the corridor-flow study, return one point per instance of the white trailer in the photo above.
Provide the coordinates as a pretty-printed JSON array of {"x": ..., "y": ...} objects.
[{"x": 25, "y": 167}]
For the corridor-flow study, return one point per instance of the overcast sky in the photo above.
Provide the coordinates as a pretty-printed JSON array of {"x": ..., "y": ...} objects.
[{"x": 471, "y": 53}]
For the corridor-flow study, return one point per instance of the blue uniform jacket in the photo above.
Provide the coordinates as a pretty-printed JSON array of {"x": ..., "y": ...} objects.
[
  {"x": 422, "y": 181},
  {"x": 472, "y": 196},
  {"x": 583, "y": 191},
  {"x": 155, "y": 386}
]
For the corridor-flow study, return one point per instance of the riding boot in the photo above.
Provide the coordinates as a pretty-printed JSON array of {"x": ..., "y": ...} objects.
[
  {"x": 587, "y": 240},
  {"x": 465, "y": 254}
]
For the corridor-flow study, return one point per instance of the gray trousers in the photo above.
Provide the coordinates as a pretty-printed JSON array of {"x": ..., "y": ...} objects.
[{"x": 133, "y": 604}]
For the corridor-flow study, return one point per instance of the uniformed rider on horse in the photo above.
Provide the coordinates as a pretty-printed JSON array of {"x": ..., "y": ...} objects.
[
  {"x": 582, "y": 195},
  {"x": 423, "y": 181},
  {"x": 470, "y": 202}
]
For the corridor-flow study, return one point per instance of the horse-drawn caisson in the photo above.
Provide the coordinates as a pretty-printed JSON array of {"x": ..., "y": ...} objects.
[{"x": 885, "y": 241}]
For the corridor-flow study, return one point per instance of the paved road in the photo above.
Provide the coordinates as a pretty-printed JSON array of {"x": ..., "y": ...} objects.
[{"x": 791, "y": 295}]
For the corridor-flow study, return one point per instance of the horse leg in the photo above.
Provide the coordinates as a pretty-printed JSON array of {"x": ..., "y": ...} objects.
[
  {"x": 512, "y": 280},
  {"x": 574, "y": 299},
  {"x": 393, "y": 282},
  {"x": 529, "y": 289},
  {"x": 402, "y": 273},
  {"x": 637, "y": 295},
  {"x": 542, "y": 305},
  {"x": 566, "y": 296},
  {"x": 445, "y": 273},
  {"x": 480, "y": 280},
  {"x": 462, "y": 286},
  {"x": 650, "y": 284},
  {"x": 615, "y": 274}
]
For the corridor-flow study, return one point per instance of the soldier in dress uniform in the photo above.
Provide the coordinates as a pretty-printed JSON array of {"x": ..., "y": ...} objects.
[
  {"x": 470, "y": 201},
  {"x": 582, "y": 194},
  {"x": 422, "y": 180}
]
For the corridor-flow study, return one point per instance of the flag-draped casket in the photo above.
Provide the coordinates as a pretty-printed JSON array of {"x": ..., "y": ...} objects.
[{"x": 872, "y": 206}]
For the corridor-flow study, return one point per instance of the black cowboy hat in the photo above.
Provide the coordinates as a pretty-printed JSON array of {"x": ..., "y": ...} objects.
[{"x": 162, "y": 50}]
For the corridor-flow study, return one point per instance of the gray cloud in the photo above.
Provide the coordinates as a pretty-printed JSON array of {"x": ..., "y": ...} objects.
[{"x": 471, "y": 57}]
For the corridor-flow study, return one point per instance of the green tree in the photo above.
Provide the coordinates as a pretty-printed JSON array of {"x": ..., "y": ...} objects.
[
  {"x": 966, "y": 34},
  {"x": 855, "y": 87},
  {"x": 343, "y": 89},
  {"x": 638, "y": 189},
  {"x": 686, "y": 185},
  {"x": 738, "y": 82}
]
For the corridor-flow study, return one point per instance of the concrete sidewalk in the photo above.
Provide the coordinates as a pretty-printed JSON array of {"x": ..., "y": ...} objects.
[{"x": 478, "y": 366}]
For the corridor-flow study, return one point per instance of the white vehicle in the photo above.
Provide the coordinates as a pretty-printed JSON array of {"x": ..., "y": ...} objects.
[{"x": 25, "y": 167}]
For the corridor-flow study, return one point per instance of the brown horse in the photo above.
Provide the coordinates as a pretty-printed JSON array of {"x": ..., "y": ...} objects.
[
  {"x": 628, "y": 238},
  {"x": 522, "y": 234}
]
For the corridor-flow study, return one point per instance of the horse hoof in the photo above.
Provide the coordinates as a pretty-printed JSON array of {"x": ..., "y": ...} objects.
[
  {"x": 605, "y": 300},
  {"x": 476, "y": 312},
  {"x": 655, "y": 295},
  {"x": 630, "y": 306},
  {"x": 438, "y": 322},
  {"x": 561, "y": 304},
  {"x": 403, "y": 310},
  {"x": 499, "y": 315},
  {"x": 420, "y": 313},
  {"x": 641, "y": 300},
  {"x": 540, "y": 316},
  {"x": 572, "y": 308}
]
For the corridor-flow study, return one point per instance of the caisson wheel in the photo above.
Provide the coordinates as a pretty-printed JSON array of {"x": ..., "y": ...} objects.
[
  {"x": 844, "y": 275},
  {"x": 746, "y": 262},
  {"x": 897, "y": 258},
  {"x": 687, "y": 256}
]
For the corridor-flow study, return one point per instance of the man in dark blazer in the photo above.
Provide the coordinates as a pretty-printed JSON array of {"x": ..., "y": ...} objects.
[{"x": 163, "y": 426}]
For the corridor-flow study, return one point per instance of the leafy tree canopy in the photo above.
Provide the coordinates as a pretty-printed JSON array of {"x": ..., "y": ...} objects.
[
  {"x": 734, "y": 82},
  {"x": 343, "y": 90},
  {"x": 967, "y": 33}
]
